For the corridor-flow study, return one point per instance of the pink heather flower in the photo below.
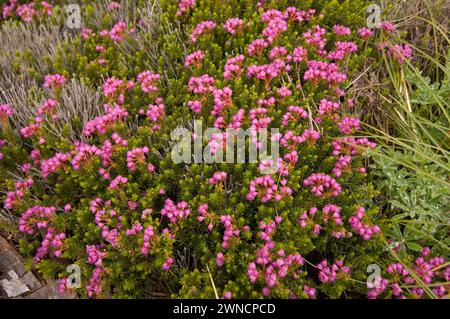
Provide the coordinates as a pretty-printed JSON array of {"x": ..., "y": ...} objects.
[
  {"x": 84, "y": 154},
  {"x": 310, "y": 292},
  {"x": 136, "y": 156},
  {"x": 5, "y": 111},
  {"x": 257, "y": 46},
  {"x": 233, "y": 67},
  {"x": 94, "y": 255},
  {"x": 100, "y": 48},
  {"x": 26, "y": 12},
  {"x": 400, "y": 52},
  {"x": 62, "y": 286},
  {"x": 25, "y": 167},
  {"x": 316, "y": 37},
  {"x": 349, "y": 125},
  {"x": 201, "y": 29},
  {"x": 52, "y": 164},
  {"x": 86, "y": 33},
  {"x": 363, "y": 229},
  {"x": 229, "y": 232},
  {"x": 53, "y": 243},
  {"x": 327, "y": 273},
  {"x": 341, "y": 30},
  {"x": 148, "y": 235},
  {"x": 222, "y": 99},
  {"x": 267, "y": 72},
  {"x": 31, "y": 129},
  {"x": 36, "y": 216},
  {"x": 194, "y": 59},
  {"x": 14, "y": 197},
  {"x": 167, "y": 264},
  {"x": 203, "y": 211},
  {"x": 334, "y": 211},
  {"x": 218, "y": 177},
  {"x": 290, "y": 140},
  {"x": 94, "y": 286},
  {"x": 201, "y": 85},
  {"x": 118, "y": 31},
  {"x": 175, "y": 212},
  {"x": 8, "y": 9},
  {"x": 342, "y": 50},
  {"x": 155, "y": 112},
  {"x": 320, "y": 70},
  {"x": 185, "y": 5},
  {"x": 284, "y": 92},
  {"x": 233, "y": 25},
  {"x": 227, "y": 295},
  {"x": 148, "y": 81},
  {"x": 49, "y": 105},
  {"x": 365, "y": 33},
  {"x": 327, "y": 107},
  {"x": 258, "y": 117},
  {"x": 111, "y": 87},
  {"x": 277, "y": 53},
  {"x": 309, "y": 136},
  {"x": 266, "y": 102},
  {"x": 102, "y": 123},
  {"x": 252, "y": 272},
  {"x": 195, "y": 106},
  {"x": 134, "y": 230},
  {"x": 274, "y": 28},
  {"x": 342, "y": 164},
  {"x": 117, "y": 181},
  {"x": 265, "y": 188},
  {"x": 388, "y": 26},
  {"x": 237, "y": 119},
  {"x": 299, "y": 54},
  {"x": 295, "y": 112},
  {"x": 219, "y": 260},
  {"x": 47, "y": 8},
  {"x": 54, "y": 80},
  {"x": 294, "y": 15},
  {"x": 347, "y": 145},
  {"x": 113, "y": 5},
  {"x": 271, "y": 14},
  {"x": 323, "y": 184},
  {"x": 146, "y": 213}
]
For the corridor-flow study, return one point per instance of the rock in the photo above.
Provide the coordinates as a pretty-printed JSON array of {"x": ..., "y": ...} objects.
[
  {"x": 46, "y": 292},
  {"x": 17, "y": 283},
  {"x": 9, "y": 260},
  {"x": 15, "y": 286},
  {"x": 31, "y": 281}
]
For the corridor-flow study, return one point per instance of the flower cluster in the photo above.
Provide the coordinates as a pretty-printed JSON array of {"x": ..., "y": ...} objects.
[
  {"x": 329, "y": 273},
  {"x": 128, "y": 208},
  {"x": 54, "y": 80},
  {"x": 323, "y": 185},
  {"x": 363, "y": 229},
  {"x": 201, "y": 29}
]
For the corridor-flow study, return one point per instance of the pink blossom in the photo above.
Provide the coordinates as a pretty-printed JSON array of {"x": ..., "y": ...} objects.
[
  {"x": 54, "y": 80},
  {"x": 233, "y": 25},
  {"x": 349, "y": 125},
  {"x": 233, "y": 67},
  {"x": 195, "y": 58},
  {"x": 201, "y": 29},
  {"x": 341, "y": 30},
  {"x": 323, "y": 184},
  {"x": 185, "y": 5}
]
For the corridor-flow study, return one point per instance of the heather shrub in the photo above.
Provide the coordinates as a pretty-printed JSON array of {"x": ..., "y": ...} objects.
[{"x": 107, "y": 195}]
